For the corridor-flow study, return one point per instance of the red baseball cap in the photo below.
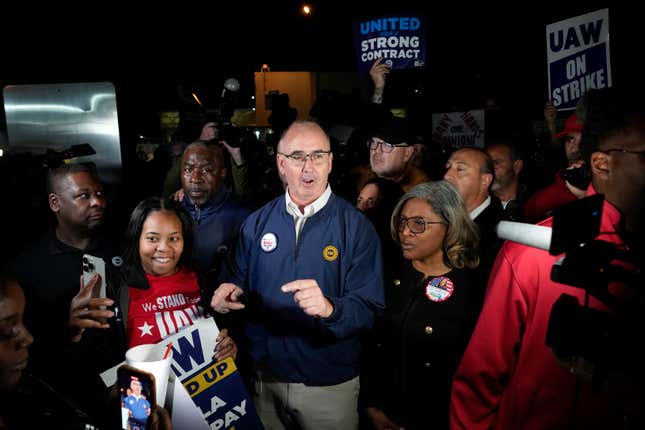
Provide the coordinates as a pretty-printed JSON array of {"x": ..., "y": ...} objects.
[{"x": 572, "y": 125}]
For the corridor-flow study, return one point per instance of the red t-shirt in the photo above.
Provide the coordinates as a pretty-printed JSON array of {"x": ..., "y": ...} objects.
[{"x": 170, "y": 303}]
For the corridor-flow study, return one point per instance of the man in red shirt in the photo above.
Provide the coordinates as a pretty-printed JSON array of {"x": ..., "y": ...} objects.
[
  {"x": 561, "y": 191},
  {"x": 508, "y": 377}
]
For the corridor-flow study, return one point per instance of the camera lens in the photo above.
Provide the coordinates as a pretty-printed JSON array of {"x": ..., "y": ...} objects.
[
  {"x": 85, "y": 268},
  {"x": 85, "y": 260}
]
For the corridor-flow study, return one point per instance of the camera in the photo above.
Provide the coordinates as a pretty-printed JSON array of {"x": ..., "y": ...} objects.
[
  {"x": 579, "y": 331},
  {"x": 575, "y": 330},
  {"x": 230, "y": 134},
  {"x": 53, "y": 159},
  {"x": 87, "y": 265}
]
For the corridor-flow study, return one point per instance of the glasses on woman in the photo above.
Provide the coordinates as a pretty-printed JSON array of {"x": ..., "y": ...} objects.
[
  {"x": 385, "y": 146},
  {"x": 416, "y": 224},
  {"x": 299, "y": 158}
]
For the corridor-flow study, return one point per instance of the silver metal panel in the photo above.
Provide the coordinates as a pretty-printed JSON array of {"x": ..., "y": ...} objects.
[{"x": 57, "y": 116}]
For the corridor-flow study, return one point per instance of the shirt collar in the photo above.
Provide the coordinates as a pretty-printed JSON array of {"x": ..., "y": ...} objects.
[
  {"x": 479, "y": 209},
  {"x": 310, "y": 209},
  {"x": 219, "y": 196},
  {"x": 56, "y": 247}
]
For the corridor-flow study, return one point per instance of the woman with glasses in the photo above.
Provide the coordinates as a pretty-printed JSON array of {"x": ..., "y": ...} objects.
[{"x": 432, "y": 303}]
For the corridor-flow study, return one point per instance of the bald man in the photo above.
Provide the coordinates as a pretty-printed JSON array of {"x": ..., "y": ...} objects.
[
  {"x": 471, "y": 171},
  {"x": 308, "y": 267},
  {"x": 216, "y": 212}
]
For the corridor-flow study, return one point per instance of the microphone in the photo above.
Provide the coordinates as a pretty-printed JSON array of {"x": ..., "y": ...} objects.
[
  {"x": 535, "y": 236},
  {"x": 230, "y": 84}
]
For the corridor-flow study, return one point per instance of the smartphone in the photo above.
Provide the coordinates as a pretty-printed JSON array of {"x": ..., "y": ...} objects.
[
  {"x": 136, "y": 390},
  {"x": 579, "y": 177},
  {"x": 92, "y": 265}
]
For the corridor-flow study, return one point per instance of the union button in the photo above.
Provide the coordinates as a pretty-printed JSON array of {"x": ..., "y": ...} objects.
[{"x": 428, "y": 329}]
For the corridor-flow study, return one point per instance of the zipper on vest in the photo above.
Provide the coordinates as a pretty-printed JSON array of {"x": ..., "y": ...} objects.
[{"x": 197, "y": 214}]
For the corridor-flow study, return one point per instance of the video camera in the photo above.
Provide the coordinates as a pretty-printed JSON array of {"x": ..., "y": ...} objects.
[
  {"x": 575, "y": 330},
  {"x": 53, "y": 159},
  {"x": 230, "y": 134}
]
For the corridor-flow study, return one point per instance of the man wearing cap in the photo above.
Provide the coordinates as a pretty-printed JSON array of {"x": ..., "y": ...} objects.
[
  {"x": 569, "y": 184},
  {"x": 392, "y": 149}
]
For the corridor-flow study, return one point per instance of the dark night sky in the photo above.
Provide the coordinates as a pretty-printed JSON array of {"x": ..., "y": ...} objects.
[{"x": 471, "y": 50}]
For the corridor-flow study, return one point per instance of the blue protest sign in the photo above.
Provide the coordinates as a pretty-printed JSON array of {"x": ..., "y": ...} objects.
[
  {"x": 218, "y": 391},
  {"x": 399, "y": 40},
  {"x": 215, "y": 388}
]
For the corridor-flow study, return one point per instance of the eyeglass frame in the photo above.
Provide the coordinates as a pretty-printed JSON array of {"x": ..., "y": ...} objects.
[
  {"x": 623, "y": 150},
  {"x": 307, "y": 156},
  {"x": 383, "y": 144},
  {"x": 400, "y": 223}
]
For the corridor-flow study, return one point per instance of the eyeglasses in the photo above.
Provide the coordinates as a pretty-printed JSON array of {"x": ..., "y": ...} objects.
[
  {"x": 385, "y": 147},
  {"x": 625, "y": 151},
  {"x": 416, "y": 224},
  {"x": 299, "y": 158}
]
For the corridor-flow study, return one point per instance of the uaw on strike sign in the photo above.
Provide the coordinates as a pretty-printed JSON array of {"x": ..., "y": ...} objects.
[
  {"x": 216, "y": 388},
  {"x": 578, "y": 57}
]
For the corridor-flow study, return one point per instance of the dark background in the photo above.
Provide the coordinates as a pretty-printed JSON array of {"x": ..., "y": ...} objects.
[
  {"x": 156, "y": 54},
  {"x": 157, "y": 51}
]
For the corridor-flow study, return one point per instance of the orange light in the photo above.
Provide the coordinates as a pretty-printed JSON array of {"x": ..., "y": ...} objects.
[
  {"x": 197, "y": 99},
  {"x": 306, "y": 9}
]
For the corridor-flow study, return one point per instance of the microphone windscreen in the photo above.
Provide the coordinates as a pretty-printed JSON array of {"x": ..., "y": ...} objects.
[{"x": 536, "y": 236}]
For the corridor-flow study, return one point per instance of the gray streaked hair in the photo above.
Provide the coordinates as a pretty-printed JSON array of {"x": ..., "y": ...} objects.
[{"x": 462, "y": 234}]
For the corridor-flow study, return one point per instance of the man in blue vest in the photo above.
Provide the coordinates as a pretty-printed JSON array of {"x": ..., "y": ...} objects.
[{"x": 308, "y": 267}]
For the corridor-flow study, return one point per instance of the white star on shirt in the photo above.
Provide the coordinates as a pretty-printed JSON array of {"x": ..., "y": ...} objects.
[{"x": 146, "y": 329}]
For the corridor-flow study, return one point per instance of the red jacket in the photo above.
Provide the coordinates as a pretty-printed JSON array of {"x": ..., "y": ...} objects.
[
  {"x": 540, "y": 205},
  {"x": 508, "y": 378}
]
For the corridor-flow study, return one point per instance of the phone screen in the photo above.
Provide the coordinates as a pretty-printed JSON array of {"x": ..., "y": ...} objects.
[{"x": 136, "y": 393}]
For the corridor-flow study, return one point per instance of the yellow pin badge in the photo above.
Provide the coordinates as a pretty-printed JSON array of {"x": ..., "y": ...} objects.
[{"x": 330, "y": 253}]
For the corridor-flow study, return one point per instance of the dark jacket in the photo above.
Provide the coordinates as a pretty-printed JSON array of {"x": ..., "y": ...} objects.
[
  {"x": 33, "y": 404},
  {"x": 337, "y": 247},
  {"x": 216, "y": 225},
  {"x": 416, "y": 345},
  {"x": 49, "y": 272},
  {"x": 489, "y": 243}
]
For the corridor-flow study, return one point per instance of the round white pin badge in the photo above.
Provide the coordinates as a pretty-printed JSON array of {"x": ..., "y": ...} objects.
[{"x": 269, "y": 242}]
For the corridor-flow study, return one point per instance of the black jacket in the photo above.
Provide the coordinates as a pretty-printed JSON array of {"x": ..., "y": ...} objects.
[
  {"x": 416, "y": 345},
  {"x": 49, "y": 272},
  {"x": 33, "y": 404}
]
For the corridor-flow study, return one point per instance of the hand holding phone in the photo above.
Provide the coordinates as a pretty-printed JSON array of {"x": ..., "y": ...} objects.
[
  {"x": 92, "y": 265},
  {"x": 88, "y": 308},
  {"x": 136, "y": 390}
]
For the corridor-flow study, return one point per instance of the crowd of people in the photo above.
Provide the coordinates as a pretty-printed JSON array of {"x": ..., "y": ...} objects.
[{"x": 379, "y": 296}]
